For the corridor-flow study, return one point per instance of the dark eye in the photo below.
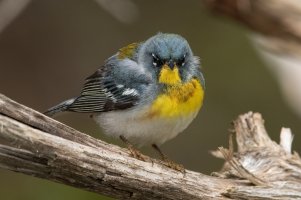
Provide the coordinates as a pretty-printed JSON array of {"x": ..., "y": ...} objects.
[
  {"x": 156, "y": 60},
  {"x": 181, "y": 62}
]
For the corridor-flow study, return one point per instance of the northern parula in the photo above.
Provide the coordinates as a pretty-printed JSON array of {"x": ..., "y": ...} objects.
[{"x": 145, "y": 94}]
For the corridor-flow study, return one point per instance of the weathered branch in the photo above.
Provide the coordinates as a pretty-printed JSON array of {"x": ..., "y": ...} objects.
[
  {"x": 34, "y": 144},
  {"x": 276, "y": 34},
  {"x": 279, "y": 21}
]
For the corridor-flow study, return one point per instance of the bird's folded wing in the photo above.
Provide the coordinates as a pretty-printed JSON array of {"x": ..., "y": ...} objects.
[{"x": 106, "y": 91}]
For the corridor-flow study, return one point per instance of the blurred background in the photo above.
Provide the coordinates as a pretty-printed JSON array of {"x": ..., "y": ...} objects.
[{"x": 48, "y": 48}]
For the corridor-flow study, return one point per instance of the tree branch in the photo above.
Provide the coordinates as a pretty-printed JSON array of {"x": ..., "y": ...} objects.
[
  {"x": 271, "y": 17},
  {"x": 276, "y": 26},
  {"x": 34, "y": 144},
  {"x": 279, "y": 21}
]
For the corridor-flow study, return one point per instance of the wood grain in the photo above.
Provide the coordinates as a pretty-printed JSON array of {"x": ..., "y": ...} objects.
[{"x": 34, "y": 144}]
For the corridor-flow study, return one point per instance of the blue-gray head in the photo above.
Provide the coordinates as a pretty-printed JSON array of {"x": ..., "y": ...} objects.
[{"x": 171, "y": 57}]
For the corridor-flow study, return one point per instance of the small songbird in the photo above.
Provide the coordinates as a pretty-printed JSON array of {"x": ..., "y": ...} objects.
[{"x": 145, "y": 94}]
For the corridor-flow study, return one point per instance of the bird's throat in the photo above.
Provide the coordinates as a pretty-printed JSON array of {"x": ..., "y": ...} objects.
[{"x": 169, "y": 76}]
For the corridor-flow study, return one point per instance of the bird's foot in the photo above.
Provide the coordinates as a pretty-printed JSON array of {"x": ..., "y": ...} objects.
[
  {"x": 167, "y": 162},
  {"x": 173, "y": 165},
  {"x": 136, "y": 153}
]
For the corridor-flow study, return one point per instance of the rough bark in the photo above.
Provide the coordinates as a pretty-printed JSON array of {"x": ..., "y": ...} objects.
[{"x": 34, "y": 144}]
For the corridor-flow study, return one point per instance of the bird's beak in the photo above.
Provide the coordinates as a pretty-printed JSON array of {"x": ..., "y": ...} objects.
[{"x": 171, "y": 64}]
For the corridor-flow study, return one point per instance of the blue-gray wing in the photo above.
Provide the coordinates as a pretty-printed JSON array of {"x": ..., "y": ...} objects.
[{"x": 117, "y": 85}]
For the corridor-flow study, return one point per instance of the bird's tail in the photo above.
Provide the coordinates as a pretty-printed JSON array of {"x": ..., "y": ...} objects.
[{"x": 60, "y": 107}]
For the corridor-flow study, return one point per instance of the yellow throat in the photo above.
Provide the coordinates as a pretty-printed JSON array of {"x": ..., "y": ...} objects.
[
  {"x": 178, "y": 99},
  {"x": 169, "y": 76}
]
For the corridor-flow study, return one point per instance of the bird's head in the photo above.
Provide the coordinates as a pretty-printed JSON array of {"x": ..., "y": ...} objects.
[{"x": 170, "y": 58}]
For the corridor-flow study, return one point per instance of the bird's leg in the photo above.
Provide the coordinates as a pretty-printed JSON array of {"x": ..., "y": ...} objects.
[
  {"x": 169, "y": 163},
  {"x": 134, "y": 152}
]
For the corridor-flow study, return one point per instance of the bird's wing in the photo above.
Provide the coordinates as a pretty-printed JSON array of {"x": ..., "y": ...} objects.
[{"x": 115, "y": 86}]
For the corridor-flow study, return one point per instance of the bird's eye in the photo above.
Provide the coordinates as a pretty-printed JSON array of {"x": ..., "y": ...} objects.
[
  {"x": 156, "y": 60},
  {"x": 181, "y": 62}
]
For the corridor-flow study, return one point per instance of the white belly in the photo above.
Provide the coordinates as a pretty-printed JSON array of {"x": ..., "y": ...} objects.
[{"x": 140, "y": 130}]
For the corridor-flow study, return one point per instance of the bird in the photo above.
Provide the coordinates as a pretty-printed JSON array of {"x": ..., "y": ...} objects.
[{"x": 145, "y": 94}]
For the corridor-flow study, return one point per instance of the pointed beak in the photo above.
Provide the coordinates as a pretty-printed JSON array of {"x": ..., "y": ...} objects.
[{"x": 171, "y": 64}]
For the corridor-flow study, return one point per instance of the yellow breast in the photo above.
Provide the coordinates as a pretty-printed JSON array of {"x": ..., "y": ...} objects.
[{"x": 179, "y": 99}]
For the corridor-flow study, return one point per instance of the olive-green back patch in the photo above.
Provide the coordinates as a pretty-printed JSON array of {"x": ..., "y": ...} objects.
[{"x": 127, "y": 51}]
